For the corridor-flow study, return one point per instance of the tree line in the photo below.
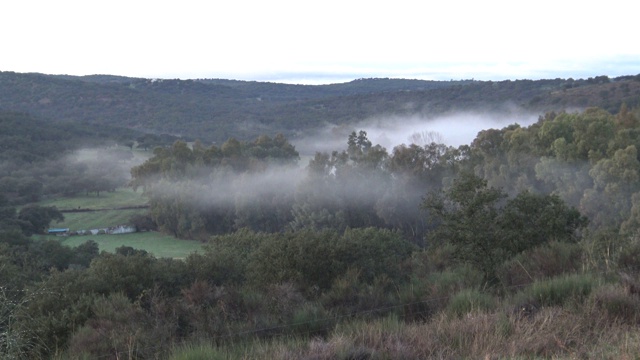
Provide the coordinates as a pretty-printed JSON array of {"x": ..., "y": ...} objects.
[{"x": 589, "y": 160}]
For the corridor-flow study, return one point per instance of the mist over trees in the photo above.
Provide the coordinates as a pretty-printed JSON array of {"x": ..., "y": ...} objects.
[
  {"x": 524, "y": 221},
  {"x": 588, "y": 160}
]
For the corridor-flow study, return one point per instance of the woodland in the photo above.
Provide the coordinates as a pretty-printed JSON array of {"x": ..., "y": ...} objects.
[{"x": 523, "y": 243}]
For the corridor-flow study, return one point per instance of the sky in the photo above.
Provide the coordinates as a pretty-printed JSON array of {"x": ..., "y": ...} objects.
[{"x": 321, "y": 42}]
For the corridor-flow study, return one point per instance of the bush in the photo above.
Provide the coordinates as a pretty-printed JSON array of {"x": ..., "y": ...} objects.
[
  {"x": 542, "y": 262},
  {"x": 558, "y": 291},
  {"x": 198, "y": 352},
  {"x": 629, "y": 258},
  {"x": 311, "y": 320},
  {"x": 314, "y": 259},
  {"x": 617, "y": 304},
  {"x": 470, "y": 301},
  {"x": 119, "y": 328},
  {"x": 413, "y": 295},
  {"x": 226, "y": 257},
  {"x": 447, "y": 283},
  {"x": 349, "y": 295}
]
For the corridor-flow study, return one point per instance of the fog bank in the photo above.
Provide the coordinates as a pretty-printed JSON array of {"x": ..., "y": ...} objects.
[{"x": 389, "y": 131}]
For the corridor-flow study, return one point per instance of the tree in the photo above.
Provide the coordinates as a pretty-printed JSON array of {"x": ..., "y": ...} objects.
[
  {"x": 486, "y": 229},
  {"x": 36, "y": 219},
  {"x": 530, "y": 220},
  {"x": 467, "y": 214}
]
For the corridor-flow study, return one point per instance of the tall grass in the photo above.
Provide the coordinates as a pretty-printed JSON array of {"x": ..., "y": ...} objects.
[
  {"x": 470, "y": 301},
  {"x": 559, "y": 290},
  {"x": 280, "y": 348}
]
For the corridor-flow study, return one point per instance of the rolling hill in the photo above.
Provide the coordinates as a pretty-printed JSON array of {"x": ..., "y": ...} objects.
[{"x": 215, "y": 109}]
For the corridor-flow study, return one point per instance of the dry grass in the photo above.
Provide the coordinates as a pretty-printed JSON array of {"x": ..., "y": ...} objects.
[
  {"x": 553, "y": 332},
  {"x": 602, "y": 324}
]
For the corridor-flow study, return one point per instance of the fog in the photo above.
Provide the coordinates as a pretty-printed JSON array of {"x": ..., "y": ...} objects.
[
  {"x": 454, "y": 129},
  {"x": 224, "y": 188},
  {"x": 115, "y": 161}
]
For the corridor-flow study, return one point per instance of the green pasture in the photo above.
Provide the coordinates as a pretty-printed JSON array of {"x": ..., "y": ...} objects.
[
  {"x": 122, "y": 197},
  {"x": 158, "y": 244},
  {"x": 97, "y": 219},
  {"x": 107, "y": 204}
]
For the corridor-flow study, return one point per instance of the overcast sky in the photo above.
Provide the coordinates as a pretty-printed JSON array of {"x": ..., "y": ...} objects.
[{"x": 322, "y": 41}]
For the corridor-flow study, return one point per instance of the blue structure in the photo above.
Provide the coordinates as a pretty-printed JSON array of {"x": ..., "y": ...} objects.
[{"x": 58, "y": 231}]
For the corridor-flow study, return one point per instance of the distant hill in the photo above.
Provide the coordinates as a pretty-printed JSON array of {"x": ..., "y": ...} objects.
[
  {"x": 25, "y": 139},
  {"x": 215, "y": 109}
]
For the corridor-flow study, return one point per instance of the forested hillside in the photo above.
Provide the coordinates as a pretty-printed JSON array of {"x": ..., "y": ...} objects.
[{"x": 215, "y": 110}]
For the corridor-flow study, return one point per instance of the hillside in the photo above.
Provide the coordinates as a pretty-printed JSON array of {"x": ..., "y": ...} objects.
[{"x": 216, "y": 109}]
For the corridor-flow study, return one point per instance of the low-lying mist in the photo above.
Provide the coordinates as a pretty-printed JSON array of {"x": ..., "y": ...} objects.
[
  {"x": 453, "y": 129},
  {"x": 224, "y": 188},
  {"x": 115, "y": 161}
]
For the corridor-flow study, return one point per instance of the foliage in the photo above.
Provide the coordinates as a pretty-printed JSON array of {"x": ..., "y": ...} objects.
[
  {"x": 36, "y": 158},
  {"x": 332, "y": 250},
  {"x": 37, "y": 218},
  {"x": 542, "y": 262},
  {"x": 559, "y": 290},
  {"x": 197, "y": 191},
  {"x": 486, "y": 233},
  {"x": 470, "y": 301},
  {"x": 315, "y": 259},
  {"x": 215, "y": 109}
]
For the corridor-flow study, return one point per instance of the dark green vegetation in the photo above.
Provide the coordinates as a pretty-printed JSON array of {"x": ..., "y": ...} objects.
[
  {"x": 521, "y": 244},
  {"x": 215, "y": 110}
]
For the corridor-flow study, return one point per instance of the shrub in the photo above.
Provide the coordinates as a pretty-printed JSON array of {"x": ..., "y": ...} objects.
[
  {"x": 542, "y": 262},
  {"x": 629, "y": 258},
  {"x": 349, "y": 295},
  {"x": 226, "y": 257},
  {"x": 617, "y": 304},
  {"x": 603, "y": 247},
  {"x": 314, "y": 259},
  {"x": 311, "y": 320},
  {"x": 558, "y": 291},
  {"x": 283, "y": 300},
  {"x": 197, "y": 352},
  {"x": 417, "y": 306},
  {"x": 470, "y": 301},
  {"x": 446, "y": 283},
  {"x": 119, "y": 328}
]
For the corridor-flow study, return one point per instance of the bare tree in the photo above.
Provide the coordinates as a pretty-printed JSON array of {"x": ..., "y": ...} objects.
[{"x": 425, "y": 138}]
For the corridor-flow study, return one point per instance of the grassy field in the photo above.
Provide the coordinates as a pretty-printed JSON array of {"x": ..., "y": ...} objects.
[
  {"x": 108, "y": 205},
  {"x": 97, "y": 219},
  {"x": 123, "y": 197},
  {"x": 160, "y": 245}
]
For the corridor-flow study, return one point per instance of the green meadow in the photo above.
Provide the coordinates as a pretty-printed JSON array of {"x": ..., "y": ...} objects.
[
  {"x": 97, "y": 219},
  {"x": 157, "y": 244},
  {"x": 108, "y": 212},
  {"x": 122, "y": 197}
]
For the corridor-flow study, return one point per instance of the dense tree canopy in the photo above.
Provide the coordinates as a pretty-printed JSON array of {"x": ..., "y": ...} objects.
[{"x": 486, "y": 228}]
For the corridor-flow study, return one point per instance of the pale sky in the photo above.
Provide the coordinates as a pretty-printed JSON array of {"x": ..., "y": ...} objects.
[{"x": 322, "y": 41}]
